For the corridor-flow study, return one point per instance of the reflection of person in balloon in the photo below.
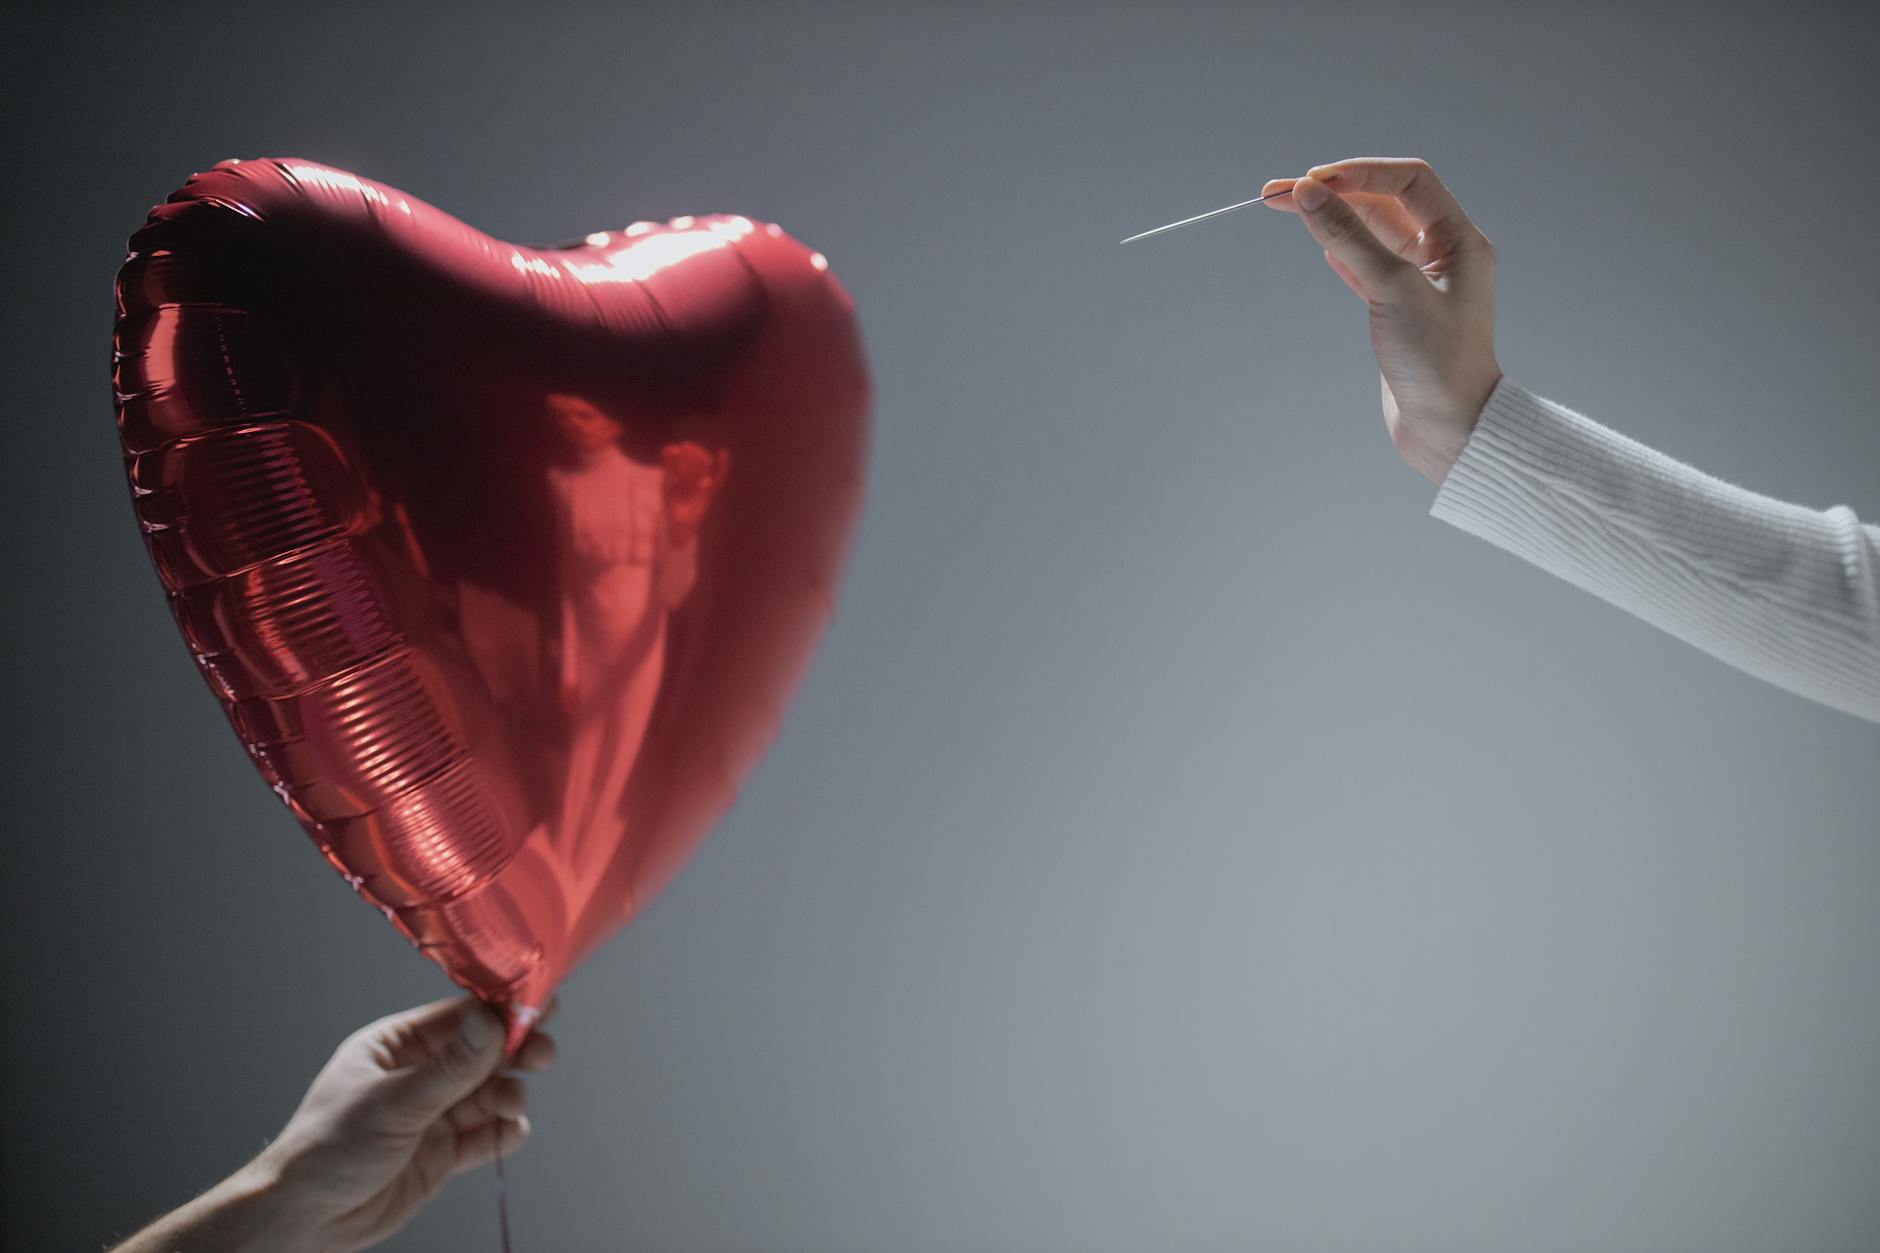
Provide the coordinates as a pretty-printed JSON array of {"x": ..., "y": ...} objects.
[{"x": 629, "y": 556}]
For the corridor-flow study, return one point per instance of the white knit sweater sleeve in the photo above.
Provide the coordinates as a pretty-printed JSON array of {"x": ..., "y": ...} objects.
[{"x": 1789, "y": 594}]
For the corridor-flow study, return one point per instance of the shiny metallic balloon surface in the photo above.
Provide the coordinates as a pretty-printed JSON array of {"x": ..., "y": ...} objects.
[{"x": 503, "y": 560}]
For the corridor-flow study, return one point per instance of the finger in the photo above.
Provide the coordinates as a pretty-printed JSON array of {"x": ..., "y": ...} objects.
[
  {"x": 1363, "y": 201},
  {"x": 453, "y": 1063},
  {"x": 537, "y": 1053},
  {"x": 1276, "y": 193},
  {"x": 1342, "y": 233},
  {"x": 1384, "y": 215},
  {"x": 1408, "y": 179},
  {"x": 434, "y": 1162},
  {"x": 498, "y": 1097},
  {"x": 409, "y": 1036},
  {"x": 481, "y": 1145},
  {"x": 1428, "y": 202}
]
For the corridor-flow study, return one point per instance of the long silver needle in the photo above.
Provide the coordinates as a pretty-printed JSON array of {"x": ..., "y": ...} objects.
[{"x": 1212, "y": 213}]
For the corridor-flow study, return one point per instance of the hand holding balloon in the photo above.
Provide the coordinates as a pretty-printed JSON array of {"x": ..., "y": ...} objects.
[
  {"x": 692, "y": 477},
  {"x": 1402, "y": 243},
  {"x": 404, "y": 1105}
]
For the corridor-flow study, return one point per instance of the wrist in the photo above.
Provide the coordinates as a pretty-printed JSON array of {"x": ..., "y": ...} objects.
[
  {"x": 259, "y": 1202},
  {"x": 317, "y": 1188},
  {"x": 253, "y": 1209},
  {"x": 1442, "y": 457}
]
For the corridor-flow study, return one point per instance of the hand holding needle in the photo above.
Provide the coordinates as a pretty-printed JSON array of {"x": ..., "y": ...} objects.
[
  {"x": 1214, "y": 213},
  {"x": 1425, "y": 273}
]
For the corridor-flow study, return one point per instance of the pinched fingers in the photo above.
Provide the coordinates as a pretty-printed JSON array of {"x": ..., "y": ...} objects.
[
  {"x": 1385, "y": 216},
  {"x": 1409, "y": 180},
  {"x": 1426, "y": 200},
  {"x": 445, "y": 1151},
  {"x": 501, "y": 1097},
  {"x": 483, "y": 1144},
  {"x": 1383, "y": 277},
  {"x": 537, "y": 1053}
]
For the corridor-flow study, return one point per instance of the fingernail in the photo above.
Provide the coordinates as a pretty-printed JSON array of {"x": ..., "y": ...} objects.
[
  {"x": 1324, "y": 173},
  {"x": 1310, "y": 194}
]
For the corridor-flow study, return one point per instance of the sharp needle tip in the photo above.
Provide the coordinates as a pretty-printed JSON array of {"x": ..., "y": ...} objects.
[{"x": 1212, "y": 213}]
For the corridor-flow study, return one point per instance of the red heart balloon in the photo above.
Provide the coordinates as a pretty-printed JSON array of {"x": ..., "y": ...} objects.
[{"x": 503, "y": 560}]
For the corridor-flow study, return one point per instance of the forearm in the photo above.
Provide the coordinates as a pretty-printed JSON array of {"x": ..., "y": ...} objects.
[
  {"x": 247, "y": 1211},
  {"x": 1785, "y": 593},
  {"x": 678, "y": 571}
]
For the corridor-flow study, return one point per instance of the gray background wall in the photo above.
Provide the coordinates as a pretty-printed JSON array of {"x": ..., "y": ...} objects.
[{"x": 1182, "y": 841}]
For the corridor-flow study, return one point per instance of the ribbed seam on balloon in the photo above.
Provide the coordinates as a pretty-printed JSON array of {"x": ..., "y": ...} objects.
[
  {"x": 247, "y": 496},
  {"x": 186, "y": 194},
  {"x": 453, "y": 829},
  {"x": 180, "y": 370},
  {"x": 150, "y": 279},
  {"x": 283, "y": 626},
  {"x": 436, "y": 841},
  {"x": 483, "y": 929},
  {"x": 382, "y": 720}
]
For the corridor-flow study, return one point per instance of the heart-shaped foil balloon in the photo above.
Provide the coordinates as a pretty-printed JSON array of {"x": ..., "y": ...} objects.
[{"x": 503, "y": 560}]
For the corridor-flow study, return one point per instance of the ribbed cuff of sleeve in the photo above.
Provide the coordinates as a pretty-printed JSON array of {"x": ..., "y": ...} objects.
[
  {"x": 1502, "y": 488},
  {"x": 1785, "y": 592}
]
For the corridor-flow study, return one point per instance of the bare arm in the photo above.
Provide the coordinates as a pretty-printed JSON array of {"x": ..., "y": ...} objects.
[{"x": 404, "y": 1105}]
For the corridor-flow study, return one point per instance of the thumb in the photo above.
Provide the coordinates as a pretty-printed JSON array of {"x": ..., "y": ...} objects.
[
  {"x": 1348, "y": 242},
  {"x": 454, "y": 1064}
]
